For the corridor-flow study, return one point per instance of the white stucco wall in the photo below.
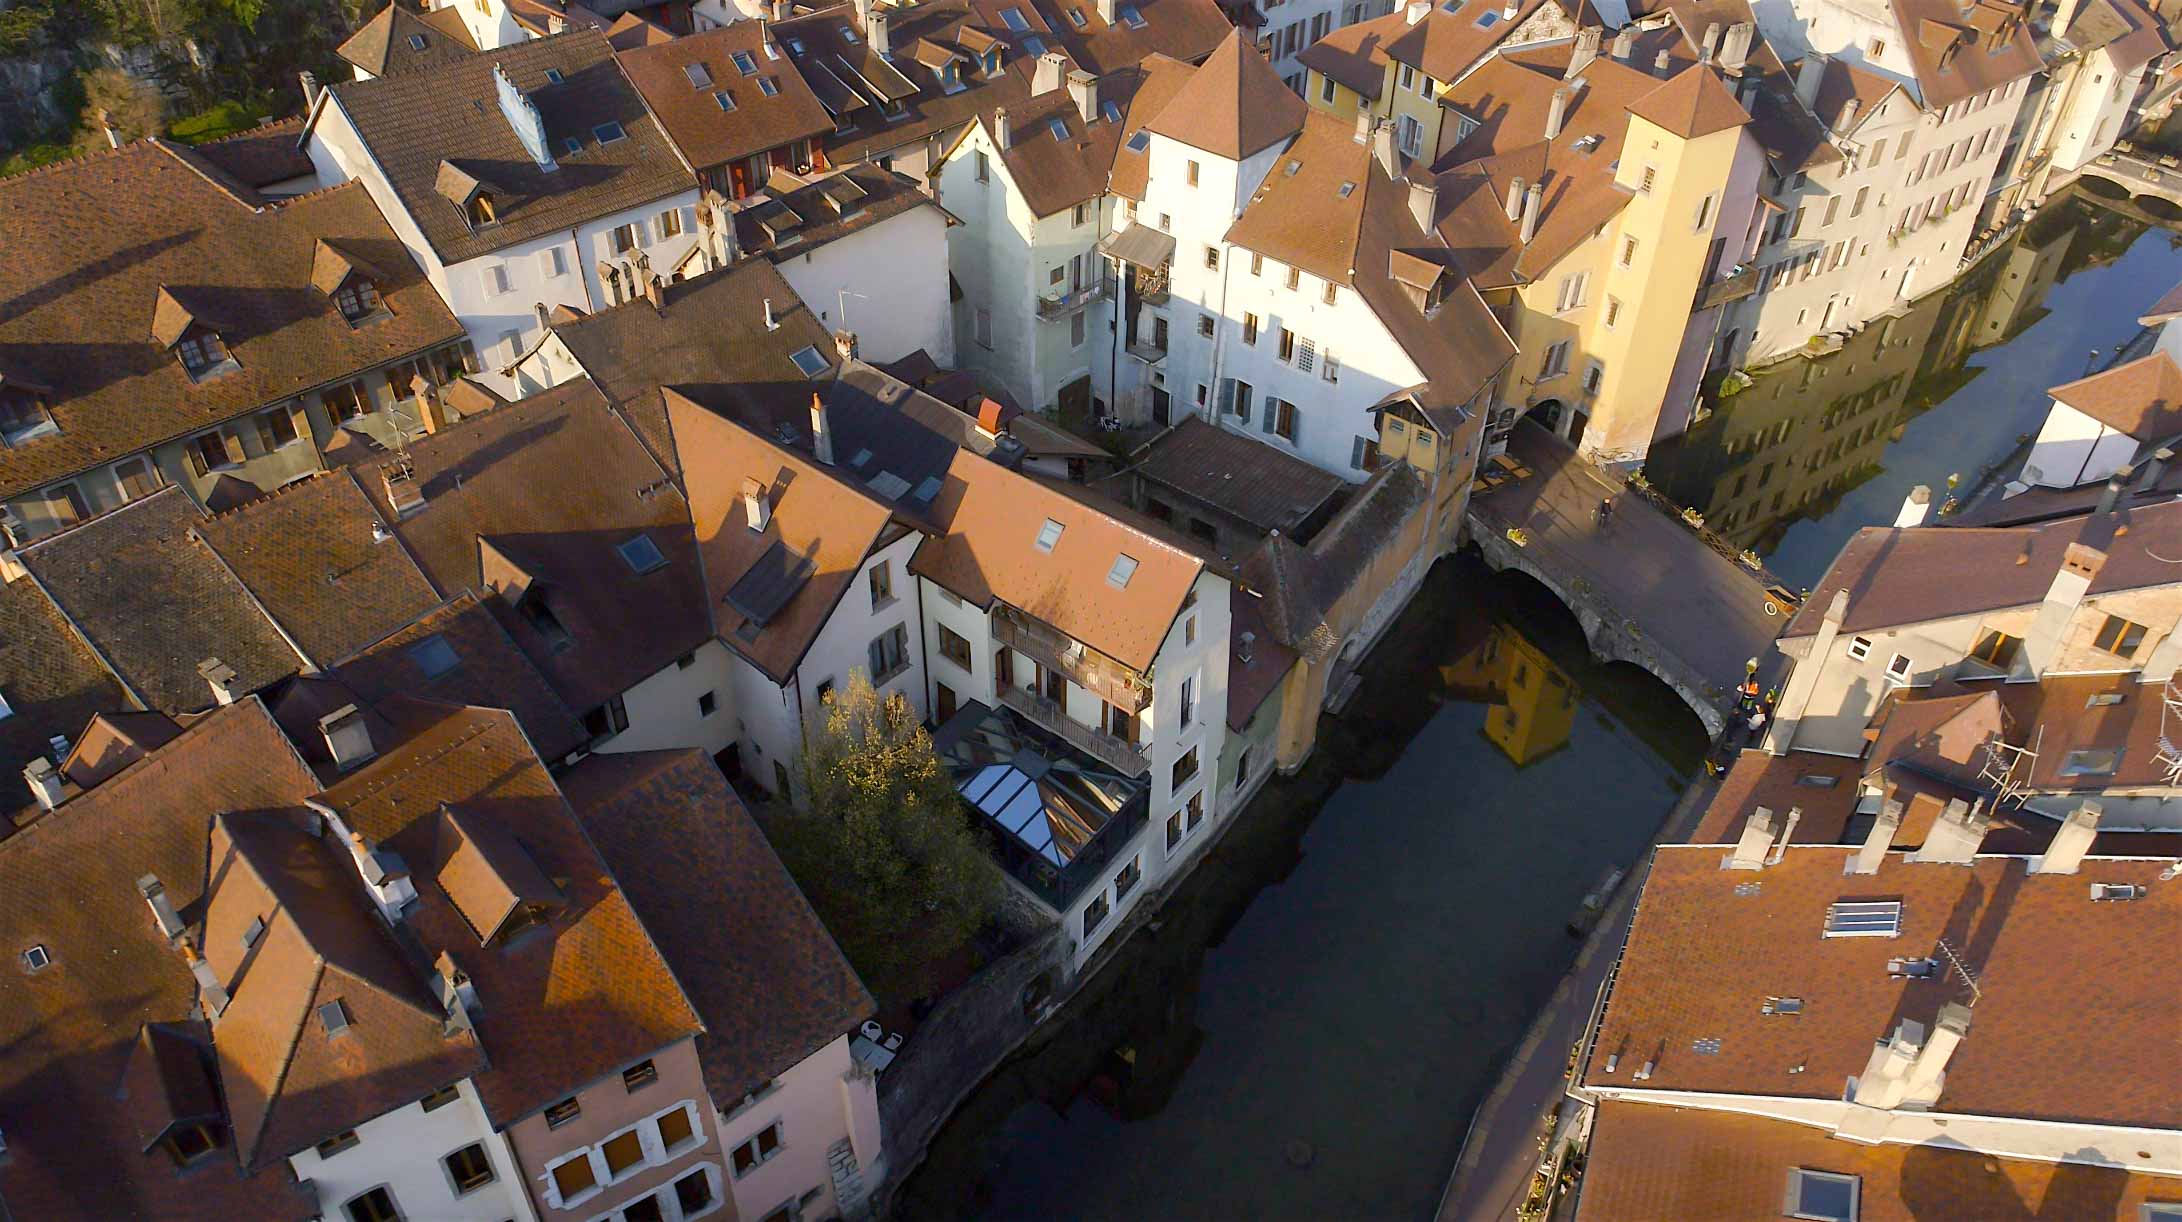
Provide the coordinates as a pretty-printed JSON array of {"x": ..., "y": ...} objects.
[
  {"x": 663, "y": 708},
  {"x": 402, "y": 1150},
  {"x": 2073, "y": 449},
  {"x": 990, "y": 254},
  {"x": 2096, "y": 110},
  {"x": 891, "y": 279}
]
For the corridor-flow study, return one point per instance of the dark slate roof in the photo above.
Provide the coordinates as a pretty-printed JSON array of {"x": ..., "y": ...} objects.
[
  {"x": 1299, "y": 585},
  {"x": 1259, "y": 484},
  {"x": 80, "y": 300},
  {"x": 398, "y": 40},
  {"x": 768, "y": 981},
  {"x": 51, "y": 683},
  {"x": 449, "y": 114},
  {"x": 155, "y": 601},
  {"x": 264, "y": 155}
]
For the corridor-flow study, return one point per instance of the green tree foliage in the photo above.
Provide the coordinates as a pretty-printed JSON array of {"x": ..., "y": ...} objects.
[
  {"x": 133, "y": 108},
  {"x": 884, "y": 849}
]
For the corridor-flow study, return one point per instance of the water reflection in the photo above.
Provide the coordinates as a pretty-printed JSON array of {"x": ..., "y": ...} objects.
[
  {"x": 1818, "y": 446},
  {"x": 1532, "y": 700}
]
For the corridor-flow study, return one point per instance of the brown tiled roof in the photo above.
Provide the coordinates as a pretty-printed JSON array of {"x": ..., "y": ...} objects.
[
  {"x": 398, "y": 40},
  {"x": 2166, "y": 309},
  {"x": 707, "y": 331},
  {"x": 2142, "y": 399},
  {"x": 1250, "y": 681},
  {"x": 2130, "y": 36},
  {"x": 820, "y": 523},
  {"x": 154, "y": 602},
  {"x": 2043, "y": 954},
  {"x": 67, "y": 1033},
  {"x": 707, "y": 135},
  {"x": 1184, "y": 29},
  {"x": 1262, "y": 485},
  {"x": 555, "y": 484},
  {"x": 1232, "y": 106},
  {"x": 323, "y": 565},
  {"x": 1842, "y": 81},
  {"x": 989, "y": 552},
  {"x": 51, "y": 683},
  {"x": 558, "y": 1008},
  {"x": 630, "y": 31},
  {"x": 1448, "y": 42},
  {"x": 1356, "y": 55},
  {"x": 1650, "y": 1161},
  {"x": 489, "y": 671},
  {"x": 81, "y": 300},
  {"x": 111, "y": 741},
  {"x": 291, "y": 1081},
  {"x": 1953, "y": 60},
  {"x": 1824, "y": 787},
  {"x": 1692, "y": 105},
  {"x": 1312, "y": 218},
  {"x": 765, "y": 976},
  {"x": 818, "y": 219},
  {"x": 1897, "y": 576},
  {"x": 264, "y": 155},
  {"x": 415, "y": 122},
  {"x": 1459, "y": 345},
  {"x": 1055, "y": 173},
  {"x": 1162, "y": 78}
]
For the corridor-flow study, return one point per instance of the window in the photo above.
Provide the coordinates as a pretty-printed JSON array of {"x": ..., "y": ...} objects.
[
  {"x": 1250, "y": 329},
  {"x": 641, "y": 554},
  {"x": 1287, "y": 346},
  {"x": 1257, "y": 264},
  {"x": 346, "y": 401},
  {"x": 607, "y": 133},
  {"x": 1330, "y": 367},
  {"x": 2119, "y": 636},
  {"x": 1295, "y": 278},
  {"x": 882, "y": 585},
  {"x": 707, "y": 704},
  {"x": 1242, "y": 768},
  {"x": 1187, "y": 704},
  {"x": 469, "y": 1169},
  {"x": 440, "y": 1098},
  {"x": 1571, "y": 292},
  {"x": 276, "y": 429},
  {"x": 574, "y": 1178},
  {"x": 1204, "y": 325},
  {"x": 1859, "y": 648},
  {"x": 623, "y": 239},
  {"x": 563, "y": 1112},
  {"x": 1704, "y": 211},
  {"x": 668, "y": 224},
  {"x": 357, "y": 298},
  {"x": 1877, "y": 48},
  {"x": 1332, "y": 295},
  {"x": 1193, "y": 173},
  {"x": 745, "y": 63},
  {"x": 1242, "y": 393},
  {"x": 1280, "y": 419},
  {"x": 1613, "y": 311},
  {"x": 760, "y": 1149},
  {"x": 1325, "y": 89},
  {"x": 374, "y": 1206},
  {"x": 201, "y": 351},
  {"x": 1864, "y": 919},
  {"x": 1364, "y": 453},
  {"x": 645, "y": 1208},
  {"x": 433, "y": 656},
  {"x": 693, "y": 1192},
  {"x": 983, "y": 328},
  {"x": 2090, "y": 763},
  {"x": 1649, "y": 178},
  {"x": 1628, "y": 252},
  {"x": 1997, "y": 649},
  {"x": 724, "y": 99},
  {"x": 1856, "y": 208},
  {"x": 1821, "y": 1195},
  {"x": 1185, "y": 769},
  {"x": 1212, "y": 258},
  {"x": 1130, "y": 876},
  {"x": 808, "y": 361},
  {"x": 954, "y": 647},
  {"x": 1049, "y": 534},
  {"x": 1081, "y": 216},
  {"x": 641, "y": 1074},
  {"x": 1123, "y": 569},
  {"x": 889, "y": 653},
  {"x": 1898, "y": 667},
  {"x": 1556, "y": 361},
  {"x": 622, "y": 1152},
  {"x": 984, "y": 167},
  {"x": 675, "y": 1129},
  {"x": 1094, "y": 913},
  {"x": 345, "y": 1140},
  {"x": 1409, "y": 77},
  {"x": 1594, "y": 375}
]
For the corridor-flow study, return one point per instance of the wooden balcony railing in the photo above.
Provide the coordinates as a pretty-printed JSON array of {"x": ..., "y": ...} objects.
[{"x": 1114, "y": 682}]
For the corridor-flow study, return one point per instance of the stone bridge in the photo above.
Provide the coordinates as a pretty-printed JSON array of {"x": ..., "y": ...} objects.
[
  {"x": 2134, "y": 173},
  {"x": 1646, "y": 588}
]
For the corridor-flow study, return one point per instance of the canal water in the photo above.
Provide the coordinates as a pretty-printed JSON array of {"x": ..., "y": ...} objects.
[{"x": 1308, "y": 1027}]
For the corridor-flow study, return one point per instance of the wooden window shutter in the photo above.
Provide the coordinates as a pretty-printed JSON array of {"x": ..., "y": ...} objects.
[
  {"x": 266, "y": 437},
  {"x": 195, "y": 453},
  {"x": 233, "y": 441},
  {"x": 300, "y": 416}
]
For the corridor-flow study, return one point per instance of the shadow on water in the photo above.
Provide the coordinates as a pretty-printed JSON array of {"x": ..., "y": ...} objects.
[{"x": 1307, "y": 1028}]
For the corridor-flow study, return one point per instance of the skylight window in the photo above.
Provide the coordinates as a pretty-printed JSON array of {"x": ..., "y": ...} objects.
[
  {"x": 1048, "y": 535},
  {"x": 1822, "y": 1196},
  {"x": 416, "y": 42},
  {"x": 334, "y": 1017},
  {"x": 1488, "y": 19},
  {"x": 2090, "y": 763},
  {"x": 745, "y": 63},
  {"x": 607, "y": 133},
  {"x": 927, "y": 488},
  {"x": 37, "y": 958},
  {"x": 433, "y": 656},
  {"x": 6, "y": 710},
  {"x": 1034, "y": 46},
  {"x": 1077, "y": 19},
  {"x": 554, "y": 77},
  {"x": 1110, "y": 111},
  {"x": 1013, "y": 18},
  {"x": 1131, "y": 17},
  {"x": 808, "y": 360},
  {"x": 1864, "y": 919},
  {"x": 1290, "y": 169},
  {"x": 848, "y": 34},
  {"x": 1059, "y": 129},
  {"x": 768, "y": 86},
  {"x": 641, "y": 554},
  {"x": 1348, "y": 189},
  {"x": 700, "y": 77},
  {"x": 795, "y": 46},
  {"x": 725, "y": 99},
  {"x": 573, "y": 144},
  {"x": 1124, "y": 568},
  {"x": 1139, "y": 142}
]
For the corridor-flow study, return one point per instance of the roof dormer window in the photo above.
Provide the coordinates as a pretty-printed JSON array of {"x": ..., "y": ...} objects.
[
  {"x": 358, "y": 299},
  {"x": 202, "y": 352},
  {"x": 482, "y": 211},
  {"x": 992, "y": 61},
  {"x": 23, "y": 415}
]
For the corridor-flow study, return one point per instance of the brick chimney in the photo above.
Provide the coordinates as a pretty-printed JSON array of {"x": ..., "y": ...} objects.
[{"x": 844, "y": 345}]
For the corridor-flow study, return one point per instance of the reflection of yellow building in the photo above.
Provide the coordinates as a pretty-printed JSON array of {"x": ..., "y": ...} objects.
[{"x": 1533, "y": 701}]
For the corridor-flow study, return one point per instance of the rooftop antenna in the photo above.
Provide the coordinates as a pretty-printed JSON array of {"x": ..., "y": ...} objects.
[
  {"x": 2169, "y": 758},
  {"x": 2007, "y": 766},
  {"x": 1956, "y": 962}
]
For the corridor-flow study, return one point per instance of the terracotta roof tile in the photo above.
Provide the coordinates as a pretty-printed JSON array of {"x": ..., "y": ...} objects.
[
  {"x": 1232, "y": 106},
  {"x": 1356, "y": 55},
  {"x": 1692, "y": 105},
  {"x": 2142, "y": 399},
  {"x": 1052, "y": 172},
  {"x": 765, "y": 976},
  {"x": 1954, "y": 61},
  {"x": 1262, "y": 485},
  {"x": 51, "y": 682},
  {"x": 398, "y": 40},
  {"x": 1452, "y": 38},
  {"x": 1183, "y": 29},
  {"x": 824, "y": 207},
  {"x": 707, "y": 134},
  {"x": 1163, "y": 77}
]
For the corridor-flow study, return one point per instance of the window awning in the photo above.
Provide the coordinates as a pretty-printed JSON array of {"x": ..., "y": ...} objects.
[{"x": 1141, "y": 245}]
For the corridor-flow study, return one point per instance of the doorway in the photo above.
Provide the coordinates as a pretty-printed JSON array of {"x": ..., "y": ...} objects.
[{"x": 1075, "y": 400}]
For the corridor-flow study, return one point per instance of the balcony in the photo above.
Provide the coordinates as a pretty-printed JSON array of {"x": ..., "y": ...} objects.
[
  {"x": 1048, "y": 715},
  {"x": 1052, "y": 307},
  {"x": 1729, "y": 288},
  {"x": 1114, "y": 682},
  {"x": 1149, "y": 351},
  {"x": 1151, "y": 283}
]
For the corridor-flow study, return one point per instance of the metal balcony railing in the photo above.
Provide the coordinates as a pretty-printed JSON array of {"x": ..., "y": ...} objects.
[
  {"x": 1122, "y": 757},
  {"x": 1052, "y": 306},
  {"x": 1116, "y": 683},
  {"x": 1727, "y": 288}
]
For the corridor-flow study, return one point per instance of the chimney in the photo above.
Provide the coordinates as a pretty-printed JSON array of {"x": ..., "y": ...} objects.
[
  {"x": 1625, "y": 43},
  {"x": 1880, "y": 840},
  {"x": 309, "y": 80},
  {"x": 1052, "y": 69},
  {"x": 1847, "y": 119},
  {"x": 432, "y": 414},
  {"x": 655, "y": 291},
  {"x": 1556, "y": 112},
  {"x": 1415, "y": 10},
  {"x": 523, "y": 117},
  {"x": 1423, "y": 201},
  {"x": 155, "y": 895},
  {"x": 1955, "y": 835},
  {"x": 457, "y": 992},
  {"x": 347, "y": 737},
  {"x": 209, "y": 989},
  {"x": 1735, "y": 49},
  {"x": 771, "y": 323},
  {"x": 1515, "y": 198},
  {"x": 989, "y": 416},
  {"x": 1382, "y": 148},
  {"x": 756, "y": 509},
  {"x": 1756, "y": 842},
  {"x": 1581, "y": 55},
  {"x": 844, "y": 345},
  {"x": 1928, "y": 1073},
  {"x": 1084, "y": 87},
  {"x": 1660, "y": 63},
  {"x": 2080, "y": 565},
  {"x": 1003, "y": 129},
  {"x": 1532, "y": 199},
  {"x": 1916, "y": 507},
  {"x": 863, "y": 12},
  {"x": 1363, "y": 125},
  {"x": 2066, "y": 854},
  {"x": 1808, "y": 74},
  {"x": 221, "y": 676},
  {"x": 821, "y": 431},
  {"x": 1509, "y": 10},
  {"x": 12, "y": 568},
  {"x": 879, "y": 33},
  {"x": 1106, "y": 11},
  {"x": 1803, "y": 680},
  {"x": 403, "y": 492},
  {"x": 1710, "y": 44},
  {"x": 1907, "y": 1069},
  {"x": 783, "y": 9},
  {"x": 45, "y": 782}
]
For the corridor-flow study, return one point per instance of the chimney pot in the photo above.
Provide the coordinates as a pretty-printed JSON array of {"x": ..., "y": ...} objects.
[
  {"x": 221, "y": 676},
  {"x": 1048, "y": 75},
  {"x": 757, "y": 507},
  {"x": 1557, "y": 112},
  {"x": 45, "y": 783},
  {"x": 1735, "y": 50},
  {"x": 844, "y": 345},
  {"x": 1710, "y": 45},
  {"x": 1581, "y": 55},
  {"x": 878, "y": 32},
  {"x": 1106, "y": 11},
  {"x": 1847, "y": 118},
  {"x": 403, "y": 492},
  {"x": 1660, "y": 62},
  {"x": 772, "y": 322},
  {"x": 821, "y": 431},
  {"x": 348, "y": 737}
]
